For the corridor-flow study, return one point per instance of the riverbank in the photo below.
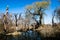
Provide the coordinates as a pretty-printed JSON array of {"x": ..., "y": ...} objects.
[{"x": 46, "y": 33}]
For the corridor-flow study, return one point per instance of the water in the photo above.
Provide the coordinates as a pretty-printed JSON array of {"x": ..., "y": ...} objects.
[{"x": 29, "y": 35}]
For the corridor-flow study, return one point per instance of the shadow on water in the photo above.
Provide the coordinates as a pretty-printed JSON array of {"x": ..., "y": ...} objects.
[{"x": 28, "y": 35}]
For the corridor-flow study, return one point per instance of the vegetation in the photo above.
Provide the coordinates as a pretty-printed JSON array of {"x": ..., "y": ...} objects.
[
  {"x": 38, "y": 8},
  {"x": 16, "y": 24}
]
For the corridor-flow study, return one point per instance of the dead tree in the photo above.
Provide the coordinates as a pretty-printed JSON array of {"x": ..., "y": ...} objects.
[
  {"x": 37, "y": 23},
  {"x": 16, "y": 19}
]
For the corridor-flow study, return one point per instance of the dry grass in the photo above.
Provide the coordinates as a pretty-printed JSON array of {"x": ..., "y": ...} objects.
[
  {"x": 15, "y": 33},
  {"x": 48, "y": 31}
]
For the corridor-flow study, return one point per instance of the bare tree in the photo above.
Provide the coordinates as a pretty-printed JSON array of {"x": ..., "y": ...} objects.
[
  {"x": 53, "y": 16},
  {"x": 57, "y": 14},
  {"x": 16, "y": 19}
]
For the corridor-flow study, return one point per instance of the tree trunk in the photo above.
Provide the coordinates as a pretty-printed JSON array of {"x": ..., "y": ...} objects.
[
  {"x": 16, "y": 19},
  {"x": 16, "y": 22},
  {"x": 53, "y": 21},
  {"x": 40, "y": 21}
]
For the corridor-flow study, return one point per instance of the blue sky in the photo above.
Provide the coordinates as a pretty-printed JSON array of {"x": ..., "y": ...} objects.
[{"x": 17, "y": 6}]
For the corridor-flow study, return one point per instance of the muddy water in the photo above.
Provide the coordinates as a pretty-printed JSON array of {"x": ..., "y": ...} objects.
[{"x": 29, "y": 35}]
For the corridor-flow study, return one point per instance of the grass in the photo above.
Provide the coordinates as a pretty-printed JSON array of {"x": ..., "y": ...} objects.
[{"x": 49, "y": 31}]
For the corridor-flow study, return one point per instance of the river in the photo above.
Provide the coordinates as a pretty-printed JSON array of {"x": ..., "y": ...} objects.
[{"x": 28, "y": 35}]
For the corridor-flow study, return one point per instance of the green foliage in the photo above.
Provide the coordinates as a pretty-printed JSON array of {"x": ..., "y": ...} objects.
[
  {"x": 29, "y": 7},
  {"x": 38, "y": 8},
  {"x": 41, "y": 4}
]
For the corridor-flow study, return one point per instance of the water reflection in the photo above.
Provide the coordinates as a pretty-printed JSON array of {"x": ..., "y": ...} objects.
[{"x": 29, "y": 35}]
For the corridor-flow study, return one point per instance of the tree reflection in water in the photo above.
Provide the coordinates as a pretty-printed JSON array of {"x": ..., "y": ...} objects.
[{"x": 28, "y": 35}]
